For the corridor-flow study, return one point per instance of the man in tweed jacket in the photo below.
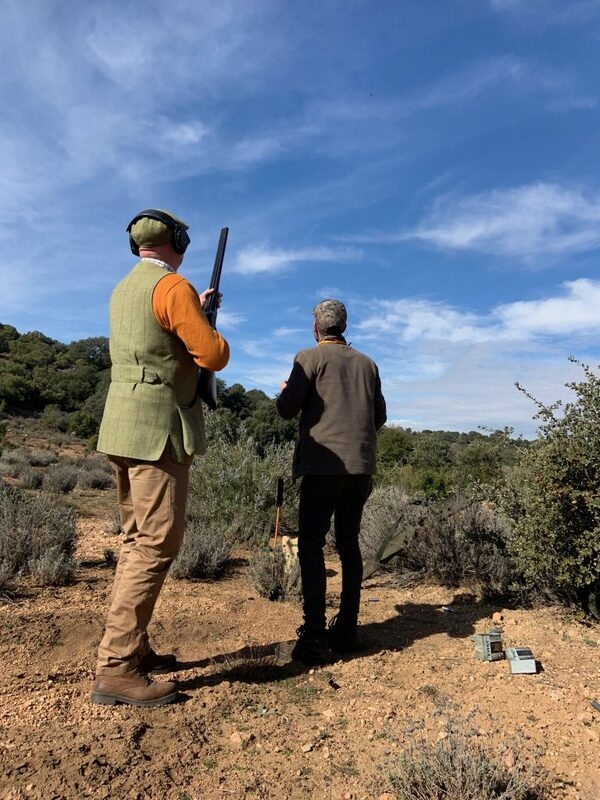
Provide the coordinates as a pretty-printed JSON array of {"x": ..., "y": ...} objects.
[{"x": 152, "y": 427}]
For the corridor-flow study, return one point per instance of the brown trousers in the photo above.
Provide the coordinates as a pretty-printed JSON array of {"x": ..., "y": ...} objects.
[{"x": 152, "y": 497}]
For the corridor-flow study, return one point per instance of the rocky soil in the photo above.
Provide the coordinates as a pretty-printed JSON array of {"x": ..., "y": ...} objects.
[{"x": 252, "y": 724}]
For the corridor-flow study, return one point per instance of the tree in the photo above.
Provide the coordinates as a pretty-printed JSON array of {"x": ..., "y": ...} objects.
[
  {"x": 266, "y": 427},
  {"x": 94, "y": 351},
  {"x": 479, "y": 462},
  {"x": 431, "y": 451},
  {"x": 394, "y": 446},
  {"x": 7, "y": 334}
]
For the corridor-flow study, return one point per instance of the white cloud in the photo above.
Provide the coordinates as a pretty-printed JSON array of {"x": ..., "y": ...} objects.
[
  {"x": 532, "y": 221},
  {"x": 283, "y": 332},
  {"x": 182, "y": 134},
  {"x": 252, "y": 150},
  {"x": 578, "y": 311},
  {"x": 477, "y": 390},
  {"x": 179, "y": 47},
  {"x": 259, "y": 259},
  {"x": 574, "y": 312},
  {"x": 443, "y": 367},
  {"x": 230, "y": 320}
]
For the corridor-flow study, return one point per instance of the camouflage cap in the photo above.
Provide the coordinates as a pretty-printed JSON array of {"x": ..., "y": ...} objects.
[
  {"x": 148, "y": 232},
  {"x": 330, "y": 314}
]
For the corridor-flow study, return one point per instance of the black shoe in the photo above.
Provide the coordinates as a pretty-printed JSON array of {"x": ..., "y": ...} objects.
[
  {"x": 153, "y": 663},
  {"x": 311, "y": 647},
  {"x": 343, "y": 636}
]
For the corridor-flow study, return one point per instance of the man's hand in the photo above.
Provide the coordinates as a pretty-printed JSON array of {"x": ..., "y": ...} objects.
[{"x": 206, "y": 294}]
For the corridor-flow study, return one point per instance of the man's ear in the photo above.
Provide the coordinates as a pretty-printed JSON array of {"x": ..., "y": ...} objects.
[{"x": 316, "y": 330}]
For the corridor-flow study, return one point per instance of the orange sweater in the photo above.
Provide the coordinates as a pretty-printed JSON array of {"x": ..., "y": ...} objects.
[{"x": 177, "y": 309}]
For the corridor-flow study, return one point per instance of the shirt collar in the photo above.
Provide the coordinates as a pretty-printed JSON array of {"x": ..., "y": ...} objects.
[{"x": 160, "y": 263}]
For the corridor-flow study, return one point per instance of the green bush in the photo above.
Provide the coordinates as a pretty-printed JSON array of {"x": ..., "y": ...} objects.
[
  {"x": 54, "y": 418},
  {"x": 82, "y": 424},
  {"x": 37, "y": 536},
  {"x": 553, "y": 499},
  {"x": 421, "y": 482}
]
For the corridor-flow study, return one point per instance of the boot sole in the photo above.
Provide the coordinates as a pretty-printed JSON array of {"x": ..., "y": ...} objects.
[
  {"x": 160, "y": 670},
  {"x": 311, "y": 661},
  {"x": 114, "y": 699}
]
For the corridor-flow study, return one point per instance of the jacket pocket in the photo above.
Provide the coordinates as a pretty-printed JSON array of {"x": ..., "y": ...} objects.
[{"x": 192, "y": 427}]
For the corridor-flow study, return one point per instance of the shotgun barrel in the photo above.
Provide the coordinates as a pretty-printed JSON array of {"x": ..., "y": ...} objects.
[{"x": 207, "y": 382}]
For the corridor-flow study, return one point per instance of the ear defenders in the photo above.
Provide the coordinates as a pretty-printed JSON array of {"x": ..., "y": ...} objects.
[{"x": 179, "y": 236}]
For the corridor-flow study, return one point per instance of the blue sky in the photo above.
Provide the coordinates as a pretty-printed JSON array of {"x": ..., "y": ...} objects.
[{"x": 433, "y": 164}]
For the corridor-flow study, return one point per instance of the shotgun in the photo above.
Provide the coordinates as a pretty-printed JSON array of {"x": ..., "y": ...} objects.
[{"x": 207, "y": 382}]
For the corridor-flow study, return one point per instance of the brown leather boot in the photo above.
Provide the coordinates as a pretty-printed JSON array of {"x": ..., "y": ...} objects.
[{"x": 134, "y": 689}]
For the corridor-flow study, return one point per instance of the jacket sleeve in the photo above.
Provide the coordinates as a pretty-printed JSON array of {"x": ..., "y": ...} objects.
[
  {"x": 177, "y": 308},
  {"x": 380, "y": 407},
  {"x": 290, "y": 401}
]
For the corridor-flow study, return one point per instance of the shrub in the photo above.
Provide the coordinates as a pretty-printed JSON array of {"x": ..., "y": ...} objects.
[
  {"x": 31, "y": 478},
  {"x": 41, "y": 458},
  {"x": 114, "y": 524},
  {"x": 204, "y": 552},
  {"x": 94, "y": 461},
  {"x": 235, "y": 488},
  {"x": 382, "y": 516},
  {"x": 54, "y": 418},
  {"x": 14, "y": 463},
  {"x": 553, "y": 499},
  {"x": 52, "y": 568},
  {"x": 61, "y": 478},
  {"x": 82, "y": 424},
  {"x": 459, "y": 540},
  {"x": 37, "y": 536},
  {"x": 94, "y": 479},
  {"x": 464, "y": 540},
  {"x": 418, "y": 481},
  {"x": 457, "y": 768},
  {"x": 270, "y": 576}
]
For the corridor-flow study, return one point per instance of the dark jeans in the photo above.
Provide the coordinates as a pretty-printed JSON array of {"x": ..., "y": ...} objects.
[{"x": 321, "y": 497}]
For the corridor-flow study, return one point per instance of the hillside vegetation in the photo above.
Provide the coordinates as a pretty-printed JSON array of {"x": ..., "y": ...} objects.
[{"x": 506, "y": 516}]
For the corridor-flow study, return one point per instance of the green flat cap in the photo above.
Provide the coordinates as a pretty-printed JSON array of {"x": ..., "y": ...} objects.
[{"x": 148, "y": 232}]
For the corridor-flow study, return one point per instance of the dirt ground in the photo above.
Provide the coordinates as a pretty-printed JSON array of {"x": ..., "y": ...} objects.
[{"x": 251, "y": 725}]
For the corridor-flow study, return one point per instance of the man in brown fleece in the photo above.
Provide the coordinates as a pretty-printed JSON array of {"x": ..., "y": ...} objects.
[{"x": 337, "y": 391}]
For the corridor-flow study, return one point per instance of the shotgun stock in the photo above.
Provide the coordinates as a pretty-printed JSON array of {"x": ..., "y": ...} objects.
[{"x": 207, "y": 382}]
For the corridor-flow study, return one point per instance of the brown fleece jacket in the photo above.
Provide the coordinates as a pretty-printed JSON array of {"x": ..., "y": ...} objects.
[{"x": 337, "y": 391}]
